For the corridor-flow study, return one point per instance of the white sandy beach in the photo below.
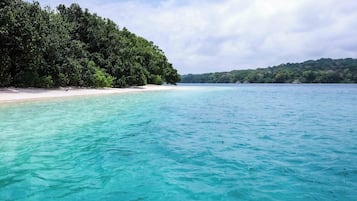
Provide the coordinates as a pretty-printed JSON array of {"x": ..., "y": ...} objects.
[{"x": 9, "y": 95}]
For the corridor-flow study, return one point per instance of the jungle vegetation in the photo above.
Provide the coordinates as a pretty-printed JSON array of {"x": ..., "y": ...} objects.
[{"x": 70, "y": 46}]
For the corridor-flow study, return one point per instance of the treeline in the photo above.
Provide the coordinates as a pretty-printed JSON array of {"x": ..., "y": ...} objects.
[
  {"x": 318, "y": 71},
  {"x": 73, "y": 47}
]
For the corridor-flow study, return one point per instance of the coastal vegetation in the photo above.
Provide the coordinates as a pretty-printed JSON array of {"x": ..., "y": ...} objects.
[
  {"x": 317, "y": 71},
  {"x": 40, "y": 47}
]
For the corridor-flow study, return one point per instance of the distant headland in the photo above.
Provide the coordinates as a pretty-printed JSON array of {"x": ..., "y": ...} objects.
[{"x": 312, "y": 71}]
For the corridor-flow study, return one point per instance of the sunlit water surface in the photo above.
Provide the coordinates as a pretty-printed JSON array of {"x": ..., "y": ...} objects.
[{"x": 230, "y": 142}]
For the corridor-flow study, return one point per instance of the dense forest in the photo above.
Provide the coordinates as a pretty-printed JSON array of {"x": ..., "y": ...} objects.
[
  {"x": 40, "y": 47},
  {"x": 318, "y": 71}
]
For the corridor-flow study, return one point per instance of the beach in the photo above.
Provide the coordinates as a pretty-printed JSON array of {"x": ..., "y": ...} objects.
[{"x": 10, "y": 95}]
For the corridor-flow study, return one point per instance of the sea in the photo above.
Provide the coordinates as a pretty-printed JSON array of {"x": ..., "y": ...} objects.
[{"x": 197, "y": 142}]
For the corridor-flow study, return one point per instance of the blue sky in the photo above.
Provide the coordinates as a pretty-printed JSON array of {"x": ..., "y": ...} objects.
[{"x": 204, "y": 36}]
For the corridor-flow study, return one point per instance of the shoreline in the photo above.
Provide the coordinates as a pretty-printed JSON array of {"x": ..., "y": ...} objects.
[{"x": 15, "y": 95}]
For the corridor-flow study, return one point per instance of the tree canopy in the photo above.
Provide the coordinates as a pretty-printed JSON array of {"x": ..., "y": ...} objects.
[
  {"x": 73, "y": 47},
  {"x": 318, "y": 71}
]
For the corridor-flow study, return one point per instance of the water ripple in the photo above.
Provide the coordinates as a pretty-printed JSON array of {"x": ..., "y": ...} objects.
[{"x": 266, "y": 142}]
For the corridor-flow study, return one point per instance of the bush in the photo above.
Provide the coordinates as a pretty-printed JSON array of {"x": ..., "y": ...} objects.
[
  {"x": 102, "y": 79},
  {"x": 46, "y": 82},
  {"x": 156, "y": 79}
]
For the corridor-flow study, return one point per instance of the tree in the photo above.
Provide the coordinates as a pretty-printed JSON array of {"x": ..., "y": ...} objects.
[{"x": 73, "y": 47}]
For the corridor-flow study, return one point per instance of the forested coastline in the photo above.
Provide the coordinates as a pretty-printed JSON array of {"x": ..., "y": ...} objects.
[
  {"x": 312, "y": 71},
  {"x": 73, "y": 47}
]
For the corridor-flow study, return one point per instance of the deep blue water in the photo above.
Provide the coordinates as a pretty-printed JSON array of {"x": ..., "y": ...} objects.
[{"x": 229, "y": 142}]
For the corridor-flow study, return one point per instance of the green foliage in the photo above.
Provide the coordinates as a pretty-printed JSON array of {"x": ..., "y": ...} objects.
[
  {"x": 102, "y": 79},
  {"x": 72, "y": 47},
  {"x": 156, "y": 79},
  {"x": 171, "y": 76},
  {"x": 46, "y": 81},
  {"x": 319, "y": 71}
]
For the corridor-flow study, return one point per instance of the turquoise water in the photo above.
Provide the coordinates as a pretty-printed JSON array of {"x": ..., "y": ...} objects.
[{"x": 229, "y": 142}]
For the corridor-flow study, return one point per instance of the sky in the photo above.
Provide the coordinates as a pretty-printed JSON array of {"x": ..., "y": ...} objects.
[{"x": 201, "y": 36}]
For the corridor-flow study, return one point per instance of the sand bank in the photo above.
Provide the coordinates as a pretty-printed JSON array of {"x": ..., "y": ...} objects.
[{"x": 8, "y": 95}]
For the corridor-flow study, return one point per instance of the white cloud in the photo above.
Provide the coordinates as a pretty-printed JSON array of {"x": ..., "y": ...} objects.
[{"x": 201, "y": 36}]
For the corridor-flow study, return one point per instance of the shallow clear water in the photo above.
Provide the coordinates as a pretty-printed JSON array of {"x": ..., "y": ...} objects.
[{"x": 230, "y": 142}]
